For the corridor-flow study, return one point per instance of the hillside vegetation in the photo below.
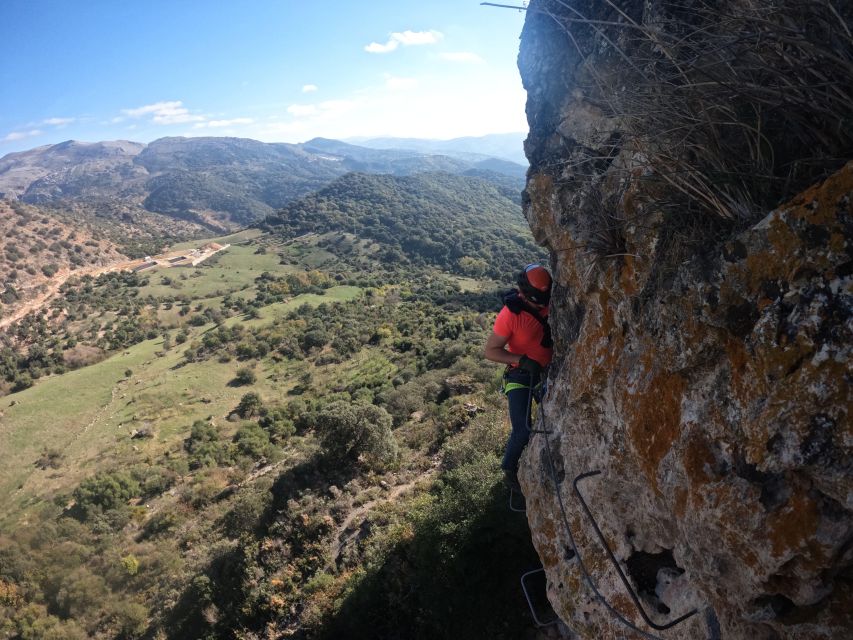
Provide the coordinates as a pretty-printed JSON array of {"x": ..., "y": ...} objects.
[
  {"x": 38, "y": 245},
  {"x": 297, "y": 437},
  {"x": 459, "y": 223}
]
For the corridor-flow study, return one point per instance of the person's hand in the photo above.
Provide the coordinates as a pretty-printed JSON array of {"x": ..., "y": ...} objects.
[{"x": 530, "y": 366}]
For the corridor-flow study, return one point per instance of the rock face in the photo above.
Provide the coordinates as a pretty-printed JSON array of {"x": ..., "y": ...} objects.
[{"x": 702, "y": 366}]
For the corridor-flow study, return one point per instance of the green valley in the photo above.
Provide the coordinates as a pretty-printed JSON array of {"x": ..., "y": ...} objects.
[{"x": 291, "y": 437}]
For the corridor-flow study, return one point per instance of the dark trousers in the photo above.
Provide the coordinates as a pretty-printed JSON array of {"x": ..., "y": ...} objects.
[{"x": 519, "y": 400}]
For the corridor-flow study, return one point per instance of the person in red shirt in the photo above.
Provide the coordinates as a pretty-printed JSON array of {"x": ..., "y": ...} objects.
[{"x": 521, "y": 339}]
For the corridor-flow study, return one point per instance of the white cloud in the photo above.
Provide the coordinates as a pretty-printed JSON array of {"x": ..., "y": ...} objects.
[
  {"x": 173, "y": 112},
  {"x": 397, "y": 83},
  {"x": 417, "y": 37},
  {"x": 217, "y": 124},
  {"x": 309, "y": 88},
  {"x": 405, "y": 38},
  {"x": 461, "y": 56},
  {"x": 58, "y": 122},
  {"x": 21, "y": 135}
]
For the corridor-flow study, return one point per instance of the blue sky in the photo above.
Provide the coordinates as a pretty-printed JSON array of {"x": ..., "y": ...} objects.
[{"x": 278, "y": 71}]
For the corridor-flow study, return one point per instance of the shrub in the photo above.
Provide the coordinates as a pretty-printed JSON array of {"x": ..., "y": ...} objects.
[
  {"x": 357, "y": 433},
  {"x": 253, "y": 441},
  {"x": 205, "y": 447},
  {"x": 244, "y": 376},
  {"x": 105, "y": 491}
]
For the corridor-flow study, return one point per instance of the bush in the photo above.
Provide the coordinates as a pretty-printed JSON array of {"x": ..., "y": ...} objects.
[
  {"x": 105, "y": 491},
  {"x": 205, "y": 447},
  {"x": 244, "y": 376},
  {"x": 253, "y": 441},
  {"x": 354, "y": 433}
]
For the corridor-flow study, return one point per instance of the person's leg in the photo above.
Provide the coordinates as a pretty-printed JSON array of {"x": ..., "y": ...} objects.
[{"x": 519, "y": 406}]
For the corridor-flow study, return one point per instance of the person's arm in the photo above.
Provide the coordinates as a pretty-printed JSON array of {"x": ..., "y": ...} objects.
[{"x": 495, "y": 350}]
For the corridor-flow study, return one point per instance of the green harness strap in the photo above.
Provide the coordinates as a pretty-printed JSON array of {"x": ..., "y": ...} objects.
[{"x": 512, "y": 386}]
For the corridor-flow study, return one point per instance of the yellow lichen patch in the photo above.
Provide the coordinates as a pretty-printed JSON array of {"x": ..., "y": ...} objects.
[
  {"x": 837, "y": 242},
  {"x": 547, "y": 552},
  {"x": 623, "y": 604},
  {"x": 742, "y": 370},
  {"x": 791, "y": 528},
  {"x": 654, "y": 420},
  {"x": 736, "y": 508},
  {"x": 541, "y": 212}
]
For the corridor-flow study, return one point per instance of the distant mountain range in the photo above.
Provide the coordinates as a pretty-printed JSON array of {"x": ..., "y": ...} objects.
[
  {"x": 220, "y": 182},
  {"x": 506, "y": 146}
]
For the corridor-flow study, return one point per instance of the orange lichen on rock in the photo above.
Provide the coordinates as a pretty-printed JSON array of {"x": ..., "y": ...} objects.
[
  {"x": 598, "y": 348},
  {"x": 654, "y": 421},
  {"x": 698, "y": 460},
  {"x": 818, "y": 203},
  {"x": 792, "y": 527},
  {"x": 627, "y": 276}
]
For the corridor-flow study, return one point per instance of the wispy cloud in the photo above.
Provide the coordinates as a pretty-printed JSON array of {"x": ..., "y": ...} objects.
[
  {"x": 58, "y": 122},
  {"x": 218, "y": 124},
  {"x": 309, "y": 88},
  {"x": 405, "y": 38},
  {"x": 173, "y": 112},
  {"x": 21, "y": 135},
  {"x": 461, "y": 56}
]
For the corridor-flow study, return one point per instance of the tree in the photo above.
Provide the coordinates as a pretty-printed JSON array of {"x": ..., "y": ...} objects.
[
  {"x": 250, "y": 405},
  {"x": 357, "y": 433}
]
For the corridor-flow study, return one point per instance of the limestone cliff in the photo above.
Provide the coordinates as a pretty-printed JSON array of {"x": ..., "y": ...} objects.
[{"x": 703, "y": 339}]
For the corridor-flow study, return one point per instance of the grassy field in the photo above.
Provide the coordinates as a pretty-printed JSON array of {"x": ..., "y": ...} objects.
[
  {"x": 233, "y": 238},
  {"x": 88, "y": 415},
  {"x": 234, "y": 269}
]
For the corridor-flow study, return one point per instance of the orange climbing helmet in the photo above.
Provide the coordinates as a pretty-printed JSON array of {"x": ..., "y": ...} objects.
[{"x": 535, "y": 283}]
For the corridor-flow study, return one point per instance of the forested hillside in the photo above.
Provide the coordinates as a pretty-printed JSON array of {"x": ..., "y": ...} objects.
[{"x": 463, "y": 224}]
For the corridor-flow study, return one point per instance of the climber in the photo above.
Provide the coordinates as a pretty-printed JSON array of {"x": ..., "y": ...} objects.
[{"x": 521, "y": 339}]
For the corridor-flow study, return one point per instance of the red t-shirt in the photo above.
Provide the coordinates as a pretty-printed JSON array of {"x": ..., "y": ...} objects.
[{"x": 523, "y": 333}]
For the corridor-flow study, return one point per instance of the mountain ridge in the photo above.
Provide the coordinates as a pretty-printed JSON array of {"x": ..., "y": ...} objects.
[{"x": 212, "y": 182}]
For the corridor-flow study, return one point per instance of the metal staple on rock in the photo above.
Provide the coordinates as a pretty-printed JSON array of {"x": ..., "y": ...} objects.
[{"x": 586, "y": 576}]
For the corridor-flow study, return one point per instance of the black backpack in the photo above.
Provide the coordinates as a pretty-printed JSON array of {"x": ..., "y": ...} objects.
[{"x": 517, "y": 305}]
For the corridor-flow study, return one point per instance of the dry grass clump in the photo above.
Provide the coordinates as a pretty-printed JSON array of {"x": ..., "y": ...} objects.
[{"x": 729, "y": 107}]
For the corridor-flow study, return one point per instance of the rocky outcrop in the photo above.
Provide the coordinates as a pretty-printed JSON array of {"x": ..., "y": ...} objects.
[{"x": 702, "y": 366}]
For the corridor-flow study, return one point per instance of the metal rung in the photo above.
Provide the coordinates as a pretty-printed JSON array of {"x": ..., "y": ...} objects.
[
  {"x": 536, "y": 619},
  {"x": 512, "y": 507},
  {"x": 615, "y": 562}
]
